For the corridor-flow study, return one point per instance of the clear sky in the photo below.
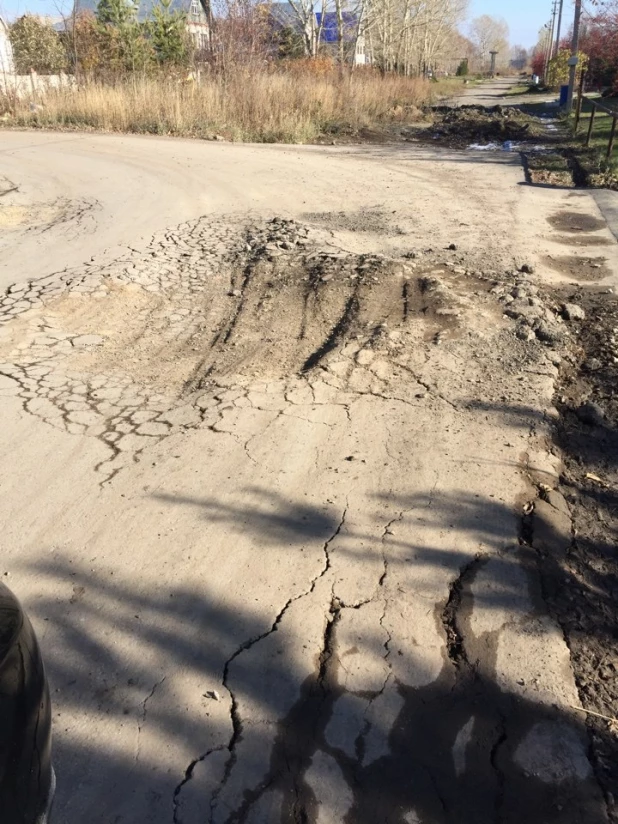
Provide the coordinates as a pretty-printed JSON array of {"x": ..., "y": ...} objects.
[{"x": 525, "y": 17}]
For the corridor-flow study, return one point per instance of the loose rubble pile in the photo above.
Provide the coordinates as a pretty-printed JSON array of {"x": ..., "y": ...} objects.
[
  {"x": 465, "y": 124},
  {"x": 535, "y": 318},
  {"x": 276, "y": 237}
]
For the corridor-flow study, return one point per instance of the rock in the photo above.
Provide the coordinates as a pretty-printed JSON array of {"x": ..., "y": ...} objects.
[
  {"x": 549, "y": 332},
  {"x": 591, "y": 414},
  {"x": 88, "y": 340},
  {"x": 544, "y": 468},
  {"x": 520, "y": 292},
  {"x": 551, "y": 529},
  {"x": 558, "y": 501},
  {"x": 527, "y": 269},
  {"x": 523, "y": 332},
  {"x": 452, "y": 247},
  {"x": 523, "y": 308},
  {"x": 571, "y": 311},
  {"x": 592, "y": 365},
  {"x": 365, "y": 357},
  {"x": 235, "y": 293}
]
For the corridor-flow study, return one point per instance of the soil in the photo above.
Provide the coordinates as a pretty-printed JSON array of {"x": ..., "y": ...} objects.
[
  {"x": 477, "y": 124},
  {"x": 582, "y": 588}
]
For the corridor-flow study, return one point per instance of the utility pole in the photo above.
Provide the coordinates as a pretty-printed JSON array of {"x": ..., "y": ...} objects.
[
  {"x": 554, "y": 13},
  {"x": 550, "y": 44},
  {"x": 559, "y": 26},
  {"x": 573, "y": 58}
]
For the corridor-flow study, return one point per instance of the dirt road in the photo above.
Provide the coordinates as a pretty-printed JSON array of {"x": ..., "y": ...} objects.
[
  {"x": 273, "y": 418},
  {"x": 500, "y": 91}
]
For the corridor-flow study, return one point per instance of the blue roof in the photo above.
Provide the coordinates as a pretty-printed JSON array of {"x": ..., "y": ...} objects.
[
  {"x": 284, "y": 14},
  {"x": 330, "y": 29}
]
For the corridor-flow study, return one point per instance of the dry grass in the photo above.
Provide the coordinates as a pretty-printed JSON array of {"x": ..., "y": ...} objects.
[{"x": 257, "y": 106}]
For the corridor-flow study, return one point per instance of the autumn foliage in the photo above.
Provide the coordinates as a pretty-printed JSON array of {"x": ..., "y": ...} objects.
[{"x": 600, "y": 41}]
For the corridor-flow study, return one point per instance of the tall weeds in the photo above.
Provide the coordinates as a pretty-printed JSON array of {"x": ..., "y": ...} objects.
[{"x": 260, "y": 106}]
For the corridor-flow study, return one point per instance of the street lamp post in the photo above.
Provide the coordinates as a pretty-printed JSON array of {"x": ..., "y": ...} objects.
[{"x": 492, "y": 69}]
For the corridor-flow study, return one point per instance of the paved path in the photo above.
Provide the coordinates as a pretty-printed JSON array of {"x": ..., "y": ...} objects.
[
  {"x": 607, "y": 201},
  {"x": 263, "y": 482}
]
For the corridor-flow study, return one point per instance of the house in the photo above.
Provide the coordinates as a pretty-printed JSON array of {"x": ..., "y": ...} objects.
[
  {"x": 351, "y": 33},
  {"x": 7, "y": 66},
  {"x": 284, "y": 16},
  {"x": 196, "y": 11}
]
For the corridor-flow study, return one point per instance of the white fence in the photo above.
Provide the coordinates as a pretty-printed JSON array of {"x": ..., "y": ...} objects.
[{"x": 33, "y": 84}]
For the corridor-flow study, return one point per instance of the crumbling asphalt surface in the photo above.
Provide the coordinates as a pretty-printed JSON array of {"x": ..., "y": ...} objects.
[{"x": 282, "y": 480}]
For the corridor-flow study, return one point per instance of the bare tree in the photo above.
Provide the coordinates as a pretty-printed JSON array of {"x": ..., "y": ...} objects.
[
  {"x": 311, "y": 16},
  {"x": 489, "y": 34},
  {"x": 410, "y": 36}
]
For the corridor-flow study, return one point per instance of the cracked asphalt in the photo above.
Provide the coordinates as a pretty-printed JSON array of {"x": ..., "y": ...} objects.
[{"x": 273, "y": 418}]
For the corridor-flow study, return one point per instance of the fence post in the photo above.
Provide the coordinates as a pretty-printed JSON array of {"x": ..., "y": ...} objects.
[
  {"x": 580, "y": 93},
  {"x": 591, "y": 124},
  {"x": 612, "y": 135}
]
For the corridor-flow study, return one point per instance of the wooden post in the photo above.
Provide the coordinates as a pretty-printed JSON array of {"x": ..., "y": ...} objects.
[
  {"x": 591, "y": 124},
  {"x": 612, "y": 136},
  {"x": 580, "y": 92}
]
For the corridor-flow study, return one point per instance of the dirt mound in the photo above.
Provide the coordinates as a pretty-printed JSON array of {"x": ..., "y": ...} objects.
[
  {"x": 459, "y": 127},
  {"x": 479, "y": 124},
  {"x": 136, "y": 349}
]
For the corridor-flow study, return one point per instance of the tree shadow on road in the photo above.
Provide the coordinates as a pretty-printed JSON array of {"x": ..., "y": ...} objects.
[{"x": 459, "y": 749}]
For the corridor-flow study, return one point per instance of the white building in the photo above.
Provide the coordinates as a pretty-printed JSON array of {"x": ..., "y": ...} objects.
[{"x": 7, "y": 66}]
